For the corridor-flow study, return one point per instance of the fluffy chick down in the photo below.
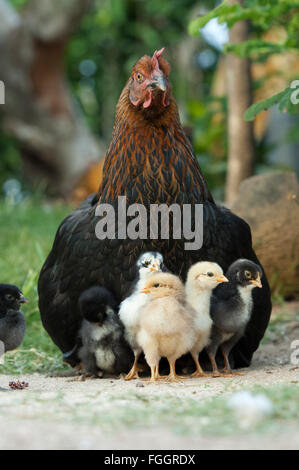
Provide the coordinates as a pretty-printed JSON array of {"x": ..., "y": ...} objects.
[
  {"x": 166, "y": 323},
  {"x": 104, "y": 349}
]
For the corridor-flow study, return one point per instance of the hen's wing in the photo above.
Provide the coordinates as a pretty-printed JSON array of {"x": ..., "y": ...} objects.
[{"x": 110, "y": 263}]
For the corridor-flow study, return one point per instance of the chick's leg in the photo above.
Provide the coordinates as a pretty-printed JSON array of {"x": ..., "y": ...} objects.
[
  {"x": 215, "y": 372},
  {"x": 88, "y": 368},
  {"x": 199, "y": 372},
  {"x": 152, "y": 358},
  {"x": 227, "y": 369},
  {"x": 154, "y": 373},
  {"x": 211, "y": 351},
  {"x": 133, "y": 374},
  {"x": 172, "y": 377}
]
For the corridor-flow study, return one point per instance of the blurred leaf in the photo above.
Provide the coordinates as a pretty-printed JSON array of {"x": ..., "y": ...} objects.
[
  {"x": 283, "y": 99},
  {"x": 263, "y": 13},
  {"x": 257, "y": 46}
]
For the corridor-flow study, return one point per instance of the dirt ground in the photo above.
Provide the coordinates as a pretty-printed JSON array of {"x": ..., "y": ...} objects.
[{"x": 60, "y": 413}]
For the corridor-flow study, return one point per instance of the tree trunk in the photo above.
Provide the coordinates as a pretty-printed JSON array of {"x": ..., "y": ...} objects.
[
  {"x": 240, "y": 132},
  {"x": 39, "y": 111}
]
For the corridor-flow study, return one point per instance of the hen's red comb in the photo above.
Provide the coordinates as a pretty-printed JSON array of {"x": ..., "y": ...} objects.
[{"x": 156, "y": 56}]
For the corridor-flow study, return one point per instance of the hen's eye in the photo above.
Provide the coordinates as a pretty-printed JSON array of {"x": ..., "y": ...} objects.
[
  {"x": 247, "y": 274},
  {"x": 210, "y": 274},
  {"x": 139, "y": 77},
  {"x": 146, "y": 264},
  {"x": 9, "y": 297}
]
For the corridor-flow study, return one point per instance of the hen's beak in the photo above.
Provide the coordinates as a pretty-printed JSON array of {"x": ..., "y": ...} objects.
[
  {"x": 221, "y": 279},
  {"x": 23, "y": 300},
  {"x": 159, "y": 83},
  {"x": 257, "y": 282}
]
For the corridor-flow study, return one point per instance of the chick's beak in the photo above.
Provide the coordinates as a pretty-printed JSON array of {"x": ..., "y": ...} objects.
[
  {"x": 154, "y": 268},
  {"x": 221, "y": 279},
  {"x": 257, "y": 282},
  {"x": 146, "y": 290},
  {"x": 24, "y": 300}
]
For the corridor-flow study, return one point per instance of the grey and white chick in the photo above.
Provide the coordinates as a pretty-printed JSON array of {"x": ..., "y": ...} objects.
[
  {"x": 104, "y": 349},
  {"x": 231, "y": 308},
  {"x": 12, "y": 320},
  {"x": 202, "y": 278},
  {"x": 129, "y": 311}
]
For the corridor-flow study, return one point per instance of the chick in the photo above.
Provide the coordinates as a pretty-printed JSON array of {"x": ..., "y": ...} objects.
[
  {"x": 147, "y": 264},
  {"x": 166, "y": 323},
  {"x": 11, "y": 298},
  {"x": 231, "y": 308},
  {"x": 202, "y": 278},
  {"x": 12, "y": 321},
  {"x": 104, "y": 348}
]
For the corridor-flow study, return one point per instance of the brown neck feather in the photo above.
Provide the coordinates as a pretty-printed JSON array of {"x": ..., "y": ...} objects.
[{"x": 150, "y": 159}]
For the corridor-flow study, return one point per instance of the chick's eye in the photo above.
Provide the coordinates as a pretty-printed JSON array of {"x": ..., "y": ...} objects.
[
  {"x": 156, "y": 285},
  {"x": 9, "y": 297},
  {"x": 210, "y": 274},
  {"x": 146, "y": 264},
  {"x": 247, "y": 274},
  {"x": 139, "y": 77}
]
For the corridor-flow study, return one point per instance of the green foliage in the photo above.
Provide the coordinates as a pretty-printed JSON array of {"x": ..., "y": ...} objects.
[
  {"x": 263, "y": 14},
  {"x": 18, "y": 3},
  {"x": 210, "y": 139},
  {"x": 27, "y": 233},
  {"x": 283, "y": 99}
]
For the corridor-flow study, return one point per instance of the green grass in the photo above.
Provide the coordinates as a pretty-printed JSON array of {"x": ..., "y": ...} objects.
[{"x": 26, "y": 237}]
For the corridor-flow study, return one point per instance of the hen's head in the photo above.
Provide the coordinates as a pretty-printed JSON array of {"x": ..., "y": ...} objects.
[{"x": 148, "y": 85}]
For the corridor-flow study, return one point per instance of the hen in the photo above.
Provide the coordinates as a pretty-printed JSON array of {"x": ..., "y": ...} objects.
[{"x": 150, "y": 161}]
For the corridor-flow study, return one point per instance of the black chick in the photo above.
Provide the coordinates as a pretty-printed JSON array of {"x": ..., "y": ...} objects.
[
  {"x": 12, "y": 321},
  {"x": 104, "y": 348},
  {"x": 231, "y": 308}
]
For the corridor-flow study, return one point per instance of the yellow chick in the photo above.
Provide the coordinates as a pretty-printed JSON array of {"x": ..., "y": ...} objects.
[
  {"x": 202, "y": 278},
  {"x": 166, "y": 323}
]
